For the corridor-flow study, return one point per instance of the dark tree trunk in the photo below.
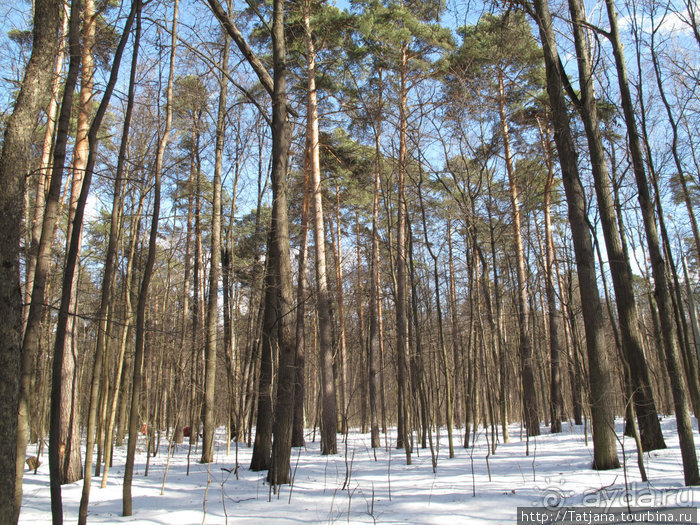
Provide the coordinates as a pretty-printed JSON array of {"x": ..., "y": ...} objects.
[
  {"x": 115, "y": 220},
  {"x": 134, "y": 422},
  {"x": 13, "y": 172},
  {"x": 604, "y": 439},
  {"x": 281, "y": 136},
  {"x": 661, "y": 286},
  {"x": 268, "y": 342},
  {"x": 620, "y": 270}
]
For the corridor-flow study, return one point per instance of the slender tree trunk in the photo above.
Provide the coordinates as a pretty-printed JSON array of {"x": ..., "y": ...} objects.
[
  {"x": 532, "y": 420},
  {"x": 374, "y": 342},
  {"x": 457, "y": 346},
  {"x": 146, "y": 281},
  {"x": 360, "y": 297},
  {"x": 214, "y": 272},
  {"x": 329, "y": 426},
  {"x": 120, "y": 392},
  {"x": 401, "y": 280},
  {"x": 658, "y": 266},
  {"x": 302, "y": 292},
  {"x": 554, "y": 318}
]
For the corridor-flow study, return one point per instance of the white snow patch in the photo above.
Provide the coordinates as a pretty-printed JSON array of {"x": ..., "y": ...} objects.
[{"x": 382, "y": 491}]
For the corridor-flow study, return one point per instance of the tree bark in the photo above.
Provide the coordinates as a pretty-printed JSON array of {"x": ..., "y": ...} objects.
[
  {"x": 13, "y": 171},
  {"x": 603, "y": 417},
  {"x": 620, "y": 270},
  {"x": 329, "y": 426},
  {"x": 214, "y": 272}
]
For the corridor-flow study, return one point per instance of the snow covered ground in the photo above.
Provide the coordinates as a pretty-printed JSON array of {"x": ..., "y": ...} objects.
[{"x": 382, "y": 491}]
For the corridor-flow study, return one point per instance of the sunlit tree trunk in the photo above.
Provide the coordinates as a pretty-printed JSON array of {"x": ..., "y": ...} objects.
[
  {"x": 330, "y": 418},
  {"x": 532, "y": 420},
  {"x": 17, "y": 141},
  {"x": 214, "y": 271}
]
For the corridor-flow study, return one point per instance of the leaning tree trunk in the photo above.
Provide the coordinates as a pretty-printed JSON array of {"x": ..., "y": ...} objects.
[
  {"x": 620, "y": 269},
  {"x": 145, "y": 283},
  {"x": 63, "y": 401},
  {"x": 603, "y": 416},
  {"x": 658, "y": 265},
  {"x": 110, "y": 261},
  {"x": 13, "y": 172}
]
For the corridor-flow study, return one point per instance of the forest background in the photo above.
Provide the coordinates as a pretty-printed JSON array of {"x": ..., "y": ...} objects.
[{"x": 286, "y": 216}]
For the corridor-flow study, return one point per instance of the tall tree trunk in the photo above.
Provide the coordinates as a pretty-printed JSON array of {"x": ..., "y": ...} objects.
[
  {"x": 374, "y": 342},
  {"x": 401, "y": 280},
  {"x": 110, "y": 263},
  {"x": 146, "y": 281},
  {"x": 457, "y": 346},
  {"x": 70, "y": 416},
  {"x": 281, "y": 137},
  {"x": 13, "y": 171},
  {"x": 329, "y": 427},
  {"x": 344, "y": 385},
  {"x": 620, "y": 270},
  {"x": 532, "y": 419},
  {"x": 361, "y": 335},
  {"x": 214, "y": 271},
  {"x": 554, "y": 318},
  {"x": 302, "y": 292},
  {"x": 603, "y": 417},
  {"x": 658, "y": 266}
]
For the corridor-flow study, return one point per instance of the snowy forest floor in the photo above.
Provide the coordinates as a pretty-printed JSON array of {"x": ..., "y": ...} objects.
[{"x": 557, "y": 471}]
